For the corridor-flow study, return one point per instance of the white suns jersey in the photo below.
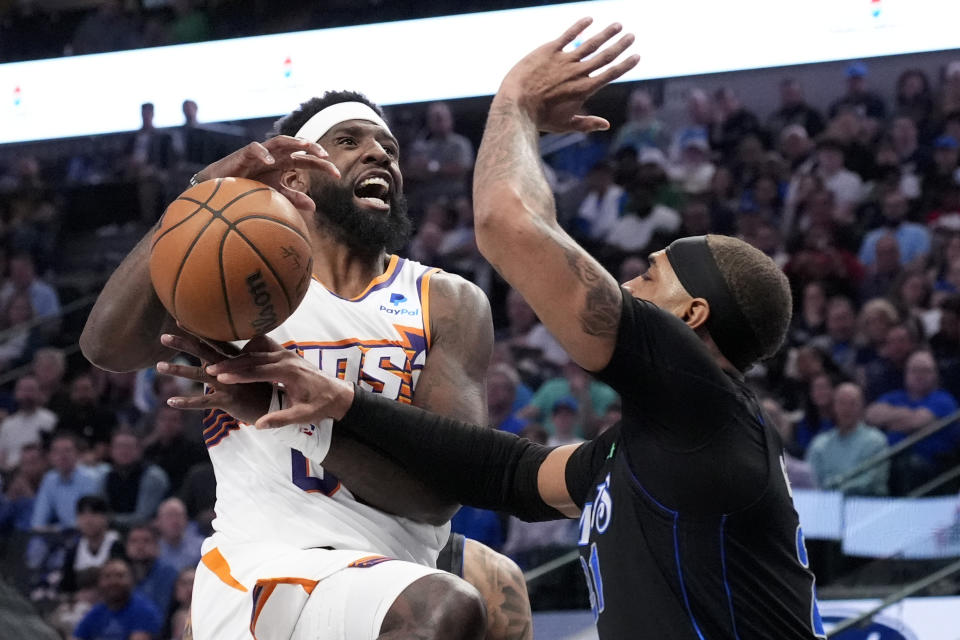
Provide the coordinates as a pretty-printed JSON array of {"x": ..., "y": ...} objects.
[{"x": 268, "y": 491}]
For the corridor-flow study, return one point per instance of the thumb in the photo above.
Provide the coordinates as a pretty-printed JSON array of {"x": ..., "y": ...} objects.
[
  {"x": 587, "y": 124},
  {"x": 297, "y": 414}
]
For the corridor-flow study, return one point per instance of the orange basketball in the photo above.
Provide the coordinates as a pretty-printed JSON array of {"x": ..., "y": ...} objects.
[{"x": 231, "y": 259}]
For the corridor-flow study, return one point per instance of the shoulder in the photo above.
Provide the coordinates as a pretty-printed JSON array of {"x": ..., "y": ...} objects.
[
  {"x": 872, "y": 435},
  {"x": 155, "y": 473},
  {"x": 942, "y": 398},
  {"x": 892, "y": 397},
  {"x": 821, "y": 441},
  {"x": 141, "y": 605},
  {"x": 452, "y": 297}
]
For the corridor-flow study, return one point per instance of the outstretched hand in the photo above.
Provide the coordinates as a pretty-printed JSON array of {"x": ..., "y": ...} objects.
[
  {"x": 265, "y": 162},
  {"x": 246, "y": 402},
  {"x": 309, "y": 395},
  {"x": 551, "y": 84}
]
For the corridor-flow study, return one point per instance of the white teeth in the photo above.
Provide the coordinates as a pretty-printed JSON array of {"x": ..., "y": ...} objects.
[{"x": 375, "y": 180}]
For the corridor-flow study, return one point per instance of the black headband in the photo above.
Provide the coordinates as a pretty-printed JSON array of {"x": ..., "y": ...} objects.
[{"x": 697, "y": 271}]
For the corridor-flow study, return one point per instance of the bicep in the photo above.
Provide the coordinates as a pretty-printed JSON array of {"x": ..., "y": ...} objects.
[
  {"x": 572, "y": 294},
  {"x": 453, "y": 380}
]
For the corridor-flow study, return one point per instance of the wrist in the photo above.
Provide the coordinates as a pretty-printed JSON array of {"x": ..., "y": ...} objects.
[{"x": 344, "y": 397}]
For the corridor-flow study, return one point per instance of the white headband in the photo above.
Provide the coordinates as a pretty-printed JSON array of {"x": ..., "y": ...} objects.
[{"x": 325, "y": 119}]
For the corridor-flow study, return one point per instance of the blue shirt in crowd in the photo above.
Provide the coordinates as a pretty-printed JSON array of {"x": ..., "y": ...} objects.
[
  {"x": 57, "y": 497},
  {"x": 102, "y": 623},
  {"x": 941, "y": 404},
  {"x": 157, "y": 586}
]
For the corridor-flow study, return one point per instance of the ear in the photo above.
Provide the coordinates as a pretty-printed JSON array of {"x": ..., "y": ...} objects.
[
  {"x": 294, "y": 184},
  {"x": 696, "y": 313}
]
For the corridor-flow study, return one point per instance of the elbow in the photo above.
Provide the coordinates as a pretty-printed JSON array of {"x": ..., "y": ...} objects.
[{"x": 102, "y": 355}]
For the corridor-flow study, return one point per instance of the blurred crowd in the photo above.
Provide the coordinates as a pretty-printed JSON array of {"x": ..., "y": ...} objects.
[
  {"x": 107, "y": 493},
  {"x": 33, "y": 29}
]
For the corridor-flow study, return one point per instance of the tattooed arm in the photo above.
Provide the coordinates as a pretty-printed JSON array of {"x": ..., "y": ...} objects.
[
  {"x": 515, "y": 216},
  {"x": 501, "y": 584}
]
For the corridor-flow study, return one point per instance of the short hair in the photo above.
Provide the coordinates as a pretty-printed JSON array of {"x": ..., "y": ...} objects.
[
  {"x": 289, "y": 124},
  {"x": 882, "y": 306},
  {"x": 66, "y": 435},
  {"x": 760, "y": 289},
  {"x": 143, "y": 526},
  {"x": 92, "y": 504}
]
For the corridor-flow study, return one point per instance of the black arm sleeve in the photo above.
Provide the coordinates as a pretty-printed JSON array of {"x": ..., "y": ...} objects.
[{"x": 473, "y": 465}]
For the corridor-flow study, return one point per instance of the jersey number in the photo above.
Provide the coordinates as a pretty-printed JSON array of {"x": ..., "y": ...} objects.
[
  {"x": 326, "y": 483},
  {"x": 594, "y": 581}
]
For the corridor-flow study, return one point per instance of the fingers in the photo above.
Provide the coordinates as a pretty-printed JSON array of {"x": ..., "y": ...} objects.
[
  {"x": 193, "y": 346},
  {"x": 587, "y": 124},
  {"x": 204, "y": 402},
  {"x": 188, "y": 372},
  {"x": 297, "y": 414},
  {"x": 610, "y": 54},
  {"x": 273, "y": 372},
  {"x": 570, "y": 34},
  {"x": 300, "y": 200},
  {"x": 596, "y": 41},
  {"x": 614, "y": 72},
  {"x": 245, "y": 362},
  {"x": 287, "y": 145},
  {"x": 256, "y": 152}
]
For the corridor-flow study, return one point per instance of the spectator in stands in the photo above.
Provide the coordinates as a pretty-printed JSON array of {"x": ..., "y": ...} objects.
[
  {"x": 810, "y": 319},
  {"x": 794, "y": 110},
  {"x": 86, "y": 417},
  {"x": 564, "y": 417},
  {"x": 694, "y": 172},
  {"x": 153, "y": 578},
  {"x": 858, "y": 97},
  {"x": 179, "y": 539},
  {"x": 911, "y": 295},
  {"x": 817, "y": 412},
  {"x": 919, "y": 403},
  {"x": 851, "y": 442},
  {"x": 845, "y": 185},
  {"x": 23, "y": 279},
  {"x": 732, "y": 122},
  {"x": 149, "y": 156},
  {"x": 913, "y": 240},
  {"x": 121, "y": 612},
  {"x": 838, "y": 341},
  {"x": 133, "y": 488},
  {"x": 943, "y": 172},
  {"x": 797, "y": 148},
  {"x": 599, "y": 210},
  {"x": 695, "y": 214},
  {"x": 886, "y": 373},
  {"x": 906, "y": 144},
  {"x": 63, "y": 485},
  {"x": 914, "y": 99},
  {"x": 885, "y": 271},
  {"x": 48, "y": 367},
  {"x": 180, "y": 606},
  {"x": 19, "y": 342},
  {"x": 798, "y": 472},
  {"x": 96, "y": 545},
  {"x": 644, "y": 220},
  {"x": 440, "y": 161},
  {"x": 27, "y": 425},
  {"x": 642, "y": 128},
  {"x": 945, "y": 344},
  {"x": 699, "y": 120},
  {"x": 168, "y": 447},
  {"x": 199, "y": 494},
  {"x": 502, "y": 385},
  {"x": 106, "y": 29},
  {"x": 877, "y": 317},
  {"x": 532, "y": 345},
  {"x": 17, "y": 501},
  {"x": 482, "y": 525},
  {"x": 592, "y": 399}
]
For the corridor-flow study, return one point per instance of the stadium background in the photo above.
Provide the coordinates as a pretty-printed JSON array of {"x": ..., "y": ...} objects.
[{"x": 70, "y": 208}]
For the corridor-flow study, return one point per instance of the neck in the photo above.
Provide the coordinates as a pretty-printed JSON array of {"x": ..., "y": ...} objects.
[
  {"x": 341, "y": 269},
  {"x": 66, "y": 473},
  {"x": 96, "y": 540},
  {"x": 845, "y": 429}
]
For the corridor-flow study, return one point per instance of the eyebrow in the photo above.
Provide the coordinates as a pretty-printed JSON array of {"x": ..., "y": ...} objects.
[
  {"x": 358, "y": 131},
  {"x": 652, "y": 260}
]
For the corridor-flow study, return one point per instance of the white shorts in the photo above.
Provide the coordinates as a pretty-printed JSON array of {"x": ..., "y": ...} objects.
[{"x": 277, "y": 592}]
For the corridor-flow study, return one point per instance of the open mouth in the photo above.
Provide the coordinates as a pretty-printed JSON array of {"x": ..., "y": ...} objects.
[{"x": 374, "y": 191}]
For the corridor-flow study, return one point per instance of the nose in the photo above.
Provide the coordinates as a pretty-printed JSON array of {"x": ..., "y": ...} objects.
[{"x": 376, "y": 154}]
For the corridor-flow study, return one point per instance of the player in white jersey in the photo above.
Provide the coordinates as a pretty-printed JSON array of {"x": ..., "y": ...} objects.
[{"x": 296, "y": 550}]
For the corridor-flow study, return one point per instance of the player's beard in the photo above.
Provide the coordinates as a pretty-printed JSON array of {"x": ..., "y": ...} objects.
[{"x": 363, "y": 230}]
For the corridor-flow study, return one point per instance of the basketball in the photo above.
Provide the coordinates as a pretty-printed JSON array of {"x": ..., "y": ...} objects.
[{"x": 231, "y": 259}]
